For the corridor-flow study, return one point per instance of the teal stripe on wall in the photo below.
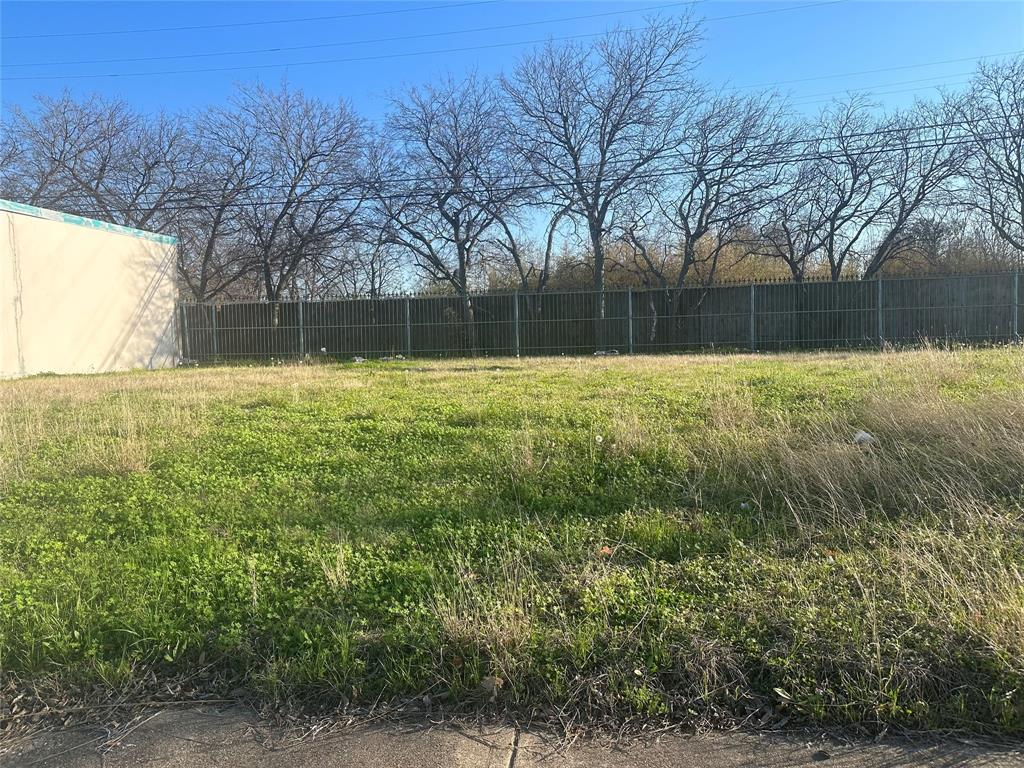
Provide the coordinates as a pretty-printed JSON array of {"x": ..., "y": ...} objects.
[{"x": 81, "y": 221}]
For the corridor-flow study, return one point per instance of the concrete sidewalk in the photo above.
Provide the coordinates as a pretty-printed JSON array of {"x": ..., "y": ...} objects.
[{"x": 204, "y": 738}]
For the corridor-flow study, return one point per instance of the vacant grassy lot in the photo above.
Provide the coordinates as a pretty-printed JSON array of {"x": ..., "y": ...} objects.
[{"x": 694, "y": 537}]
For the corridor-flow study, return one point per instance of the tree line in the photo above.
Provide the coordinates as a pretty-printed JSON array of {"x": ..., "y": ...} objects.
[{"x": 587, "y": 165}]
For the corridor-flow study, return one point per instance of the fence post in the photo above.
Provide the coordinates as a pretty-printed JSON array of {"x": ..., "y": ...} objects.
[
  {"x": 185, "y": 349},
  {"x": 629, "y": 320},
  {"x": 753, "y": 320},
  {"x": 515, "y": 323},
  {"x": 408, "y": 329},
  {"x": 213, "y": 323},
  {"x": 1016, "y": 305},
  {"x": 881, "y": 326},
  {"x": 302, "y": 332}
]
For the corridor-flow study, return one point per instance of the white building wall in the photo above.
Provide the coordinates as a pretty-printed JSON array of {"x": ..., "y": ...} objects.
[{"x": 82, "y": 296}]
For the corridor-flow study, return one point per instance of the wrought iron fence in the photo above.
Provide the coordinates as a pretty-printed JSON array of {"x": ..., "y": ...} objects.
[{"x": 767, "y": 316}]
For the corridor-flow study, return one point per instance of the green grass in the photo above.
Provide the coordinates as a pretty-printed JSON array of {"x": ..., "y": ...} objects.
[{"x": 694, "y": 538}]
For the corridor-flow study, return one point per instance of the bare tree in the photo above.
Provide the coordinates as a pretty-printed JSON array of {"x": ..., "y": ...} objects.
[
  {"x": 375, "y": 267},
  {"x": 10, "y": 158},
  {"x": 515, "y": 245},
  {"x": 52, "y": 137},
  {"x": 993, "y": 114},
  {"x": 790, "y": 226},
  {"x": 649, "y": 258},
  {"x": 99, "y": 158},
  {"x": 951, "y": 240},
  {"x": 212, "y": 251},
  {"x": 513, "y": 199},
  {"x": 723, "y": 174},
  {"x": 847, "y": 168},
  {"x": 308, "y": 156},
  {"x": 254, "y": 191},
  {"x": 829, "y": 196},
  {"x": 924, "y": 155},
  {"x": 365, "y": 265},
  {"x": 860, "y": 185},
  {"x": 592, "y": 120},
  {"x": 441, "y": 183}
]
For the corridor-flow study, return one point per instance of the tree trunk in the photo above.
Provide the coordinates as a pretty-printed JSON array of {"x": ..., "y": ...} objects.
[
  {"x": 653, "y": 310},
  {"x": 268, "y": 282},
  {"x": 468, "y": 320},
  {"x": 798, "y": 272},
  {"x": 469, "y": 327},
  {"x": 675, "y": 297},
  {"x": 599, "y": 298}
]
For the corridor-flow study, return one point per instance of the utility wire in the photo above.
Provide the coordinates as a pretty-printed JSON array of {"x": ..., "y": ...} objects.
[
  {"x": 888, "y": 93},
  {"x": 801, "y": 97},
  {"x": 747, "y": 148},
  {"x": 880, "y": 69},
  {"x": 773, "y": 84},
  {"x": 232, "y": 24},
  {"x": 799, "y": 100},
  {"x": 652, "y": 175},
  {"x": 810, "y": 98},
  {"x": 365, "y": 41},
  {"x": 869, "y": 89},
  {"x": 385, "y": 56}
]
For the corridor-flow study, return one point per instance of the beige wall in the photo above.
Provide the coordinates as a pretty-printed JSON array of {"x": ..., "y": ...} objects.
[{"x": 83, "y": 297}]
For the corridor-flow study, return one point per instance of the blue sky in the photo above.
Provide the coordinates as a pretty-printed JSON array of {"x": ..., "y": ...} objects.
[{"x": 763, "y": 43}]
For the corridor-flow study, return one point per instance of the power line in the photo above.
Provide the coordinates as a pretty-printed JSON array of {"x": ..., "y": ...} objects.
[
  {"x": 817, "y": 139},
  {"x": 888, "y": 93},
  {"x": 384, "y": 56},
  {"x": 611, "y": 167},
  {"x": 869, "y": 88},
  {"x": 880, "y": 69},
  {"x": 226, "y": 25},
  {"x": 653, "y": 175},
  {"x": 365, "y": 41}
]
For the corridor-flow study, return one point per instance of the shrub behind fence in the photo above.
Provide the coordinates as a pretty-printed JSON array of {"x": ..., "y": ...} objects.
[{"x": 771, "y": 316}]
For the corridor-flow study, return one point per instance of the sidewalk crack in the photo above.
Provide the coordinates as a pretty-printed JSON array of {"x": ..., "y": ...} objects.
[{"x": 514, "y": 753}]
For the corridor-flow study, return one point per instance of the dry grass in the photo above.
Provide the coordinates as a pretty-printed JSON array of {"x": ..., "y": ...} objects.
[
  {"x": 496, "y": 616},
  {"x": 931, "y": 451},
  {"x": 114, "y": 422}
]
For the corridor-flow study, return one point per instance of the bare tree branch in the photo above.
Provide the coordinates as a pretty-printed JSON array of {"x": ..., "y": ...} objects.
[{"x": 592, "y": 119}]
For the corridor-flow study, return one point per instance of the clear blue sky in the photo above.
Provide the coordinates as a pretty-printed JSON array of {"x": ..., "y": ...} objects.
[{"x": 761, "y": 44}]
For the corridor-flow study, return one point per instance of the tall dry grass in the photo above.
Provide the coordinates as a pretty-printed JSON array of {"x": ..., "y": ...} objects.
[
  {"x": 117, "y": 423},
  {"x": 929, "y": 452}
]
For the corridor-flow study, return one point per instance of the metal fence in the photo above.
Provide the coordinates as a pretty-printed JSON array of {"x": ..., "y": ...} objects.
[{"x": 769, "y": 316}]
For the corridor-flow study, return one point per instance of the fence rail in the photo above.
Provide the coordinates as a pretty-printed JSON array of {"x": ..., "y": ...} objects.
[{"x": 768, "y": 316}]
